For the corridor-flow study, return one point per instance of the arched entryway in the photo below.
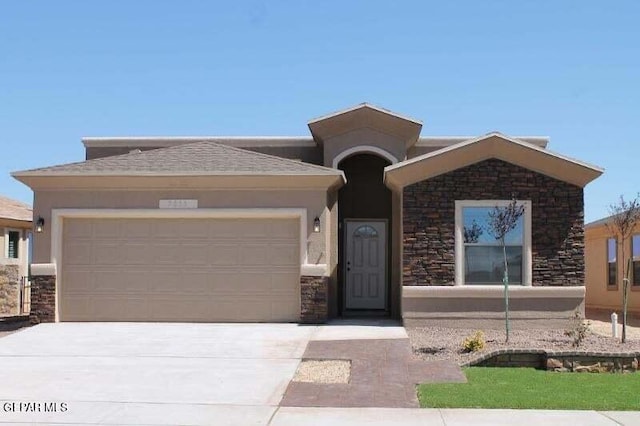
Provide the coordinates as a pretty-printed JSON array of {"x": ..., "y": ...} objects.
[{"x": 364, "y": 237}]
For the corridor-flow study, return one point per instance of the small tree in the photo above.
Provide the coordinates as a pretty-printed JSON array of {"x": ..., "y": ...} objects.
[
  {"x": 503, "y": 220},
  {"x": 625, "y": 215},
  {"x": 473, "y": 233}
]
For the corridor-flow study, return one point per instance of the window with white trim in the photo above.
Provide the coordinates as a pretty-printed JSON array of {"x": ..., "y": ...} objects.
[
  {"x": 612, "y": 260},
  {"x": 479, "y": 255},
  {"x": 12, "y": 243}
]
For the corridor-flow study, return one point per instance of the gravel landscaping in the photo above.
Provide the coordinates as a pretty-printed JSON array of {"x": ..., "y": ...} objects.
[
  {"x": 436, "y": 343},
  {"x": 323, "y": 371}
]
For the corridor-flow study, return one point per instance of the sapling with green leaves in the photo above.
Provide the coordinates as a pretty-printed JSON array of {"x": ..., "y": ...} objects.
[
  {"x": 502, "y": 220},
  {"x": 625, "y": 215}
]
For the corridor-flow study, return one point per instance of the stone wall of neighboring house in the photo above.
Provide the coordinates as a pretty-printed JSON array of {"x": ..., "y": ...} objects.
[
  {"x": 557, "y": 229},
  {"x": 9, "y": 290}
]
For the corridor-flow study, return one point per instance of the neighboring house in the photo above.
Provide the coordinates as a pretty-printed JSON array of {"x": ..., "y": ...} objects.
[
  {"x": 604, "y": 266},
  {"x": 15, "y": 230},
  {"x": 365, "y": 217}
]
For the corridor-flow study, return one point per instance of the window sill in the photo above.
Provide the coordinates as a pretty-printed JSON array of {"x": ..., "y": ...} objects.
[
  {"x": 492, "y": 291},
  {"x": 612, "y": 287}
]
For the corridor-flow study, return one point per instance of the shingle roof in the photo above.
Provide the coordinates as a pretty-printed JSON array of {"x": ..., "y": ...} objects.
[
  {"x": 16, "y": 210},
  {"x": 198, "y": 158}
]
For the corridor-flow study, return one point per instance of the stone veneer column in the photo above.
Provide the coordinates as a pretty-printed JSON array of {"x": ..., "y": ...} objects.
[
  {"x": 9, "y": 289},
  {"x": 314, "y": 304},
  {"x": 43, "y": 293}
]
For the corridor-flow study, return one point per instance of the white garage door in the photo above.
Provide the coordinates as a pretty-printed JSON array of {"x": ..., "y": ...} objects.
[{"x": 180, "y": 270}]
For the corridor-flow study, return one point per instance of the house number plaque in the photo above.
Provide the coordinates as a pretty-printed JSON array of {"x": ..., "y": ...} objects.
[{"x": 178, "y": 204}]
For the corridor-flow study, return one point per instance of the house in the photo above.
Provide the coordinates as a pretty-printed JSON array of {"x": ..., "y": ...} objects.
[
  {"x": 15, "y": 231},
  {"x": 363, "y": 217},
  {"x": 604, "y": 267}
]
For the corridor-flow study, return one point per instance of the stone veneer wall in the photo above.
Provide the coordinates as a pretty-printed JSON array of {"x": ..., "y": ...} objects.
[
  {"x": 9, "y": 289},
  {"x": 314, "y": 301},
  {"x": 43, "y": 299},
  {"x": 575, "y": 361},
  {"x": 429, "y": 222}
]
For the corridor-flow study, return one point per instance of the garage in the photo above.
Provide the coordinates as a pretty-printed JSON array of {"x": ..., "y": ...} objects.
[{"x": 180, "y": 269}]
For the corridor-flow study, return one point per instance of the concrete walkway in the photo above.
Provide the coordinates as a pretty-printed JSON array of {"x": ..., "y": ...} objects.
[
  {"x": 383, "y": 374},
  {"x": 294, "y": 416}
]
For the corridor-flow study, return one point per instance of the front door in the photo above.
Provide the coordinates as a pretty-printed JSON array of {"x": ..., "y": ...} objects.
[{"x": 365, "y": 264}]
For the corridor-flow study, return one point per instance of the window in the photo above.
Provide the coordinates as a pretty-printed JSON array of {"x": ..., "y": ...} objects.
[
  {"x": 365, "y": 231},
  {"x": 12, "y": 244},
  {"x": 612, "y": 254},
  {"x": 635, "y": 259},
  {"x": 479, "y": 255}
]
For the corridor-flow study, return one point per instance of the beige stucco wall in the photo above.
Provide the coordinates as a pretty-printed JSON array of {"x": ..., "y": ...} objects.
[
  {"x": 314, "y": 200},
  {"x": 396, "y": 254},
  {"x": 23, "y": 249},
  {"x": 599, "y": 295},
  {"x": 332, "y": 241}
]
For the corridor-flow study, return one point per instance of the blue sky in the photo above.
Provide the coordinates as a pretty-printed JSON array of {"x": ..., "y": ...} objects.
[{"x": 569, "y": 70}]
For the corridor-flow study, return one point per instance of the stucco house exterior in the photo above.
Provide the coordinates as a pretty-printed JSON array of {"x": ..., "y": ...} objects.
[
  {"x": 364, "y": 217},
  {"x": 604, "y": 267},
  {"x": 15, "y": 229}
]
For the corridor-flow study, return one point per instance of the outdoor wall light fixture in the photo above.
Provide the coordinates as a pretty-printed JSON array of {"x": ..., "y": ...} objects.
[
  {"x": 39, "y": 224},
  {"x": 316, "y": 224}
]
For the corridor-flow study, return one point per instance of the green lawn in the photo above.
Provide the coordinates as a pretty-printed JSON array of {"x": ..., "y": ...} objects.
[{"x": 529, "y": 388}]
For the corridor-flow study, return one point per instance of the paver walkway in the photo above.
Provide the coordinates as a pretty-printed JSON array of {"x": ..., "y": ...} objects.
[{"x": 383, "y": 374}]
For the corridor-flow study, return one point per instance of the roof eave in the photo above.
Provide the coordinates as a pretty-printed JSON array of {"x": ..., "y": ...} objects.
[
  {"x": 488, "y": 146},
  {"x": 212, "y": 181}
]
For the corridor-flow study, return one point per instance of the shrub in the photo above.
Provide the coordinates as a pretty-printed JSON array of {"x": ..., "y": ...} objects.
[
  {"x": 579, "y": 329},
  {"x": 474, "y": 343}
]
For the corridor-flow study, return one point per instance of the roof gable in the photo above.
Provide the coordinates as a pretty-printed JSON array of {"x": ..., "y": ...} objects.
[
  {"x": 493, "y": 145},
  {"x": 365, "y": 115}
]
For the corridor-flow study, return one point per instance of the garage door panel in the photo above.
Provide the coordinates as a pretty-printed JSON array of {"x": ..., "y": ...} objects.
[
  {"x": 283, "y": 254},
  {"x": 137, "y": 253},
  {"x": 285, "y": 229},
  {"x": 280, "y": 280},
  {"x": 195, "y": 254},
  {"x": 282, "y": 309},
  {"x": 76, "y": 307},
  {"x": 107, "y": 253},
  {"x": 108, "y": 229},
  {"x": 136, "y": 281},
  {"x": 137, "y": 228},
  {"x": 165, "y": 253},
  {"x": 77, "y": 281},
  {"x": 166, "y": 282},
  {"x": 78, "y": 228},
  {"x": 254, "y": 254},
  {"x": 254, "y": 229},
  {"x": 113, "y": 282},
  {"x": 161, "y": 229},
  {"x": 221, "y": 229},
  {"x": 78, "y": 253},
  {"x": 180, "y": 270},
  {"x": 194, "y": 229},
  {"x": 224, "y": 254}
]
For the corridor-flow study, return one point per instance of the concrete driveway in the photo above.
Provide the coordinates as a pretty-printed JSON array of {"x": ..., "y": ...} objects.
[
  {"x": 202, "y": 374},
  {"x": 126, "y": 373}
]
